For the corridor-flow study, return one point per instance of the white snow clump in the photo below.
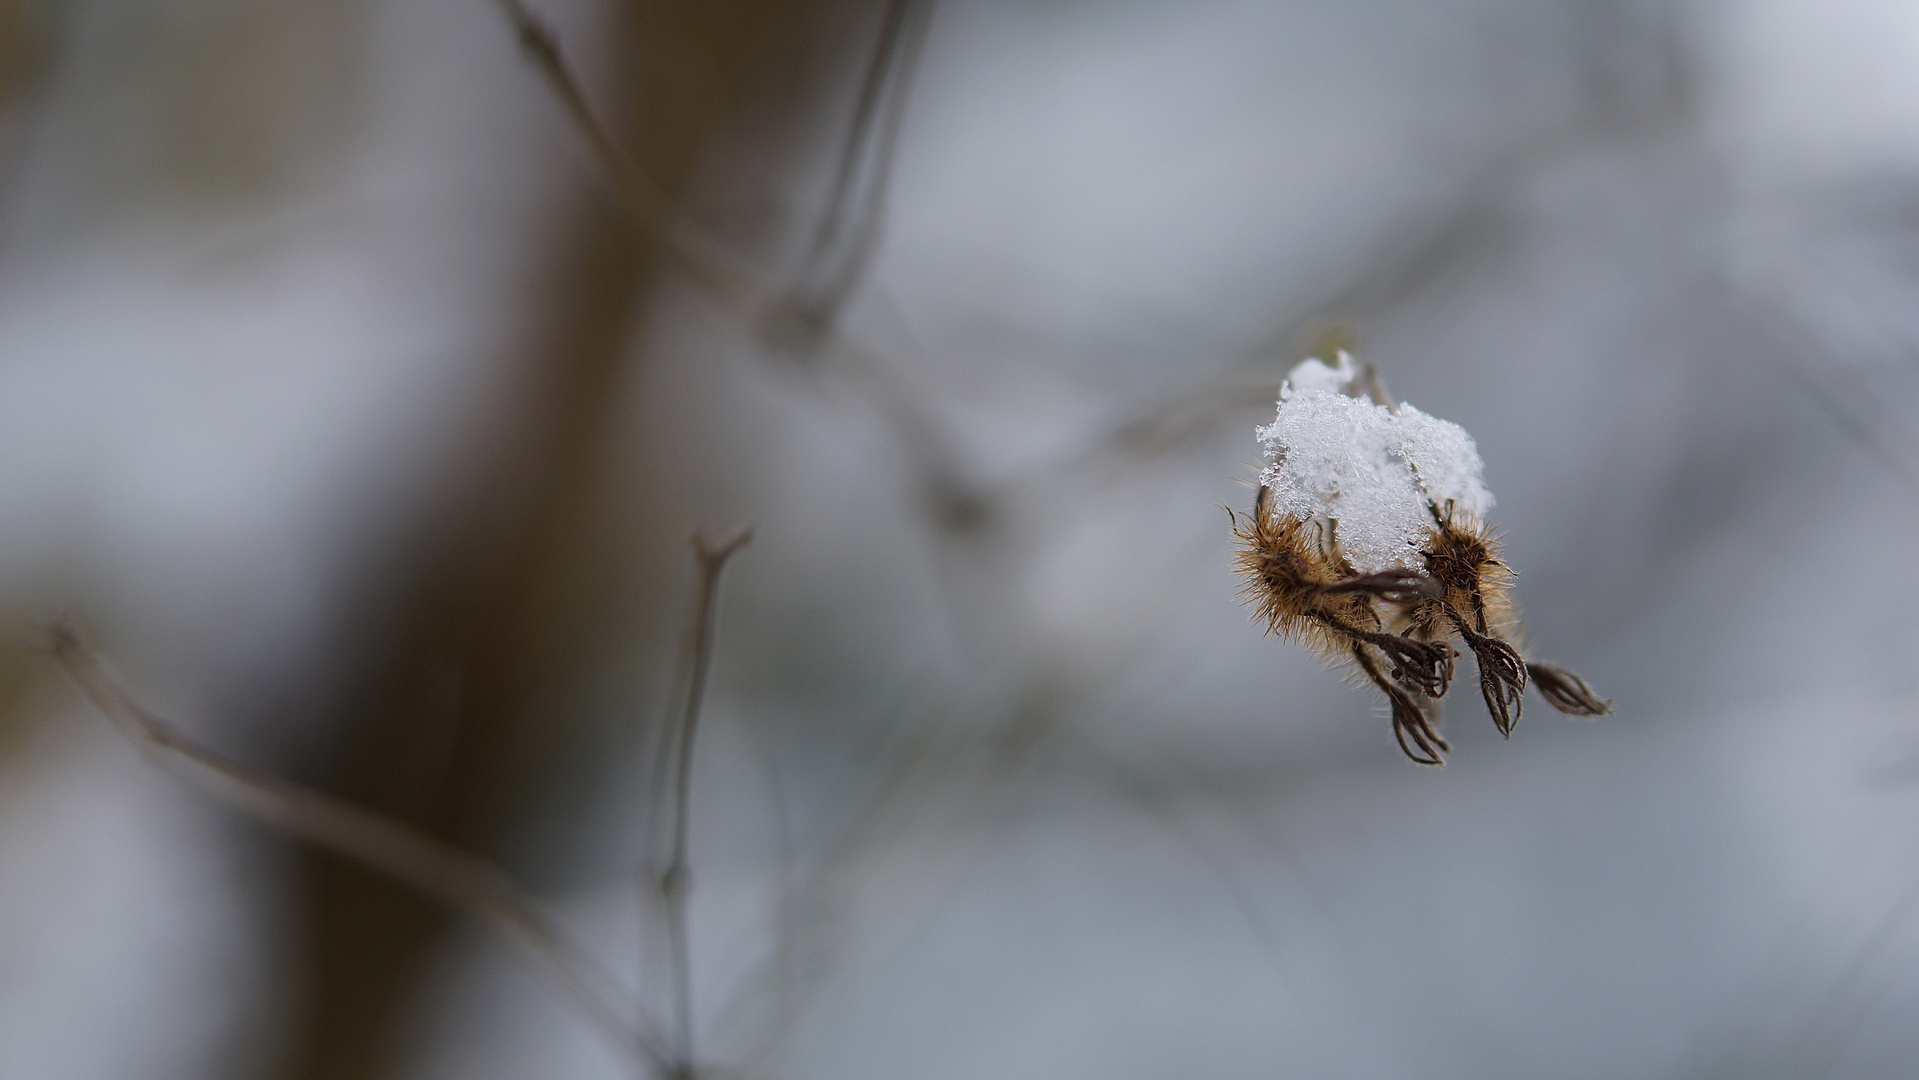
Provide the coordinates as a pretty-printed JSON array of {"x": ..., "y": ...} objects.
[{"x": 1371, "y": 469}]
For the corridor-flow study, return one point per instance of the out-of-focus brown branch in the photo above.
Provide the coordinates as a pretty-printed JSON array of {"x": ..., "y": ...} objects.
[
  {"x": 721, "y": 270},
  {"x": 676, "y": 753},
  {"x": 453, "y": 701},
  {"x": 790, "y": 316},
  {"x": 452, "y": 876},
  {"x": 851, "y": 225},
  {"x": 800, "y": 316}
]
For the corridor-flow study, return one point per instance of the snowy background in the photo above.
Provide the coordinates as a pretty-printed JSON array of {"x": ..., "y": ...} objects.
[{"x": 349, "y": 413}]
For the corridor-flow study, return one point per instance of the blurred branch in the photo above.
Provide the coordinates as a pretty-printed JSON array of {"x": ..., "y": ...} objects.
[
  {"x": 435, "y": 868},
  {"x": 1869, "y": 411},
  {"x": 950, "y": 773},
  {"x": 717, "y": 267},
  {"x": 851, "y": 226},
  {"x": 1426, "y": 246},
  {"x": 676, "y": 753},
  {"x": 790, "y": 317}
]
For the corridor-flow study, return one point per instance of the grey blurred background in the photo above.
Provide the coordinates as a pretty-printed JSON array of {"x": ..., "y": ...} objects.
[{"x": 346, "y": 404}]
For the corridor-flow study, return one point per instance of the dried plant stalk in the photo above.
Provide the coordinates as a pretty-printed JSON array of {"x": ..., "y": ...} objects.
[
  {"x": 729, "y": 276},
  {"x": 455, "y": 877},
  {"x": 676, "y": 754}
]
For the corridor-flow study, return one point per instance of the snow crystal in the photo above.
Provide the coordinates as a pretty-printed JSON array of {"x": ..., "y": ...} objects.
[
  {"x": 1313, "y": 376},
  {"x": 1369, "y": 469}
]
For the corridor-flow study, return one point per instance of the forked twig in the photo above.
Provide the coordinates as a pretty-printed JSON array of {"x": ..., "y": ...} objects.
[
  {"x": 850, "y": 229},
  {"x": 542, "y": 48},
  {"x": 785, "y": 314},
  {"x": 676, "y": 752},
  {"x": 459, "y": 879},
  {"x": 715, "y": 265}
]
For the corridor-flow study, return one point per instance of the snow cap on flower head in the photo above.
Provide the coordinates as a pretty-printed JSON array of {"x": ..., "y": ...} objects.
[{"x": 1372, "y": 469}]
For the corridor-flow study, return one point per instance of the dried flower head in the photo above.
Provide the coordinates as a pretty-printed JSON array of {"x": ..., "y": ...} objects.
[{"x": 1367, "y": 544}]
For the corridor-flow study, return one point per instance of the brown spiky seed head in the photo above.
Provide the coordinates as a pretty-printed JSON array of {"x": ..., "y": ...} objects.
[
  {"x": 1462, "y": 555},
  {"x": 1286, "y": 570}
]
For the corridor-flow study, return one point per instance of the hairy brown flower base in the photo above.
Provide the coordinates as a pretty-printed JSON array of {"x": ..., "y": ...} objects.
[{"x": 1395, "y": 627}]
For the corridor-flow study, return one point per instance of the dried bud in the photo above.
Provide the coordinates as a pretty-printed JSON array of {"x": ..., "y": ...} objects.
[{"x": 1567, "y": 692}]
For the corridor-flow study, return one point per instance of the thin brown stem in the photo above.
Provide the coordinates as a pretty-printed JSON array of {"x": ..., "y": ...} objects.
[
  {"x": 454, "y": 877},
  {"x": 542, "y": 48},
  {"x": 1392, "y": 586},
  {"x": 716, "y": 266},
  {"x": 1368, "y": 384},
  {"x": 677, "y": 749},
  {"x": 851, "y": 226},
  {"x": 752, "y": 295}
]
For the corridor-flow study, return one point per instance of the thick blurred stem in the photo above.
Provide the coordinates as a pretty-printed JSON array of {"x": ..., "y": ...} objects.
[{"x": 459, "y": 688}]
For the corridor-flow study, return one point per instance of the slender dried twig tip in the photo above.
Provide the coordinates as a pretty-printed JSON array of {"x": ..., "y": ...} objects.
[
  {"x": 713, "y": 551},
  {"x": 675, "y": 884},
  {"x": 1566, "y": 691}
]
